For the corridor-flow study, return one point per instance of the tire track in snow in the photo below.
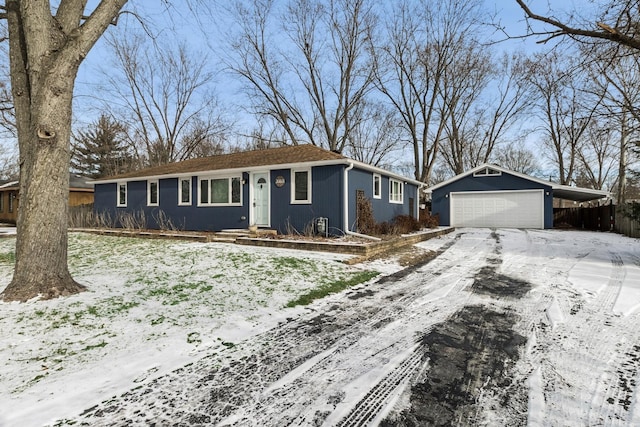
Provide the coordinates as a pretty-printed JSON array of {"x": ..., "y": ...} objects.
[
  {"x": 606, "y": 299},
  {"x": 230, "y": 387},
  {"x": 587, "y": 374},
  {"x": 369, "y": 408}
]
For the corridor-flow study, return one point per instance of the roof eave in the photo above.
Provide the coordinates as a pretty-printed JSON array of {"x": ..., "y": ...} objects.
[
  {"x": 343, "y": 161},
  {"x": 226, "y": 171}
]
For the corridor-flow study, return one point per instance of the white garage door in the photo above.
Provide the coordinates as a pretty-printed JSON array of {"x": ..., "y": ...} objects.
[{"x": 499, "y": 209}]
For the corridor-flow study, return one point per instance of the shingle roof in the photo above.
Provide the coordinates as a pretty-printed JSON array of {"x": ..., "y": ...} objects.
[
  {"x": 247, "y": 159},
  {"x": 76, "y": 182}
]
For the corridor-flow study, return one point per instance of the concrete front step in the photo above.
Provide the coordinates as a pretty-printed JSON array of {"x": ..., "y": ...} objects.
[{"x": 235, "y": 233}]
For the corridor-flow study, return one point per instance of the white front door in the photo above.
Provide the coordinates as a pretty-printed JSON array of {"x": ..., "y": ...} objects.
[{"x": 260, "y": 199}]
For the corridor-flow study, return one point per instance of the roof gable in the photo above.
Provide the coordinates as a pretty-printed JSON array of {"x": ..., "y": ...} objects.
[
  {"x": 486, "y": 169},
  {"x": 561, "y": 191}
]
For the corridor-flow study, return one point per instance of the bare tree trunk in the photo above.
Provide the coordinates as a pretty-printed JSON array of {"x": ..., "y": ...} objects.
[
  {"x": 45, "y": 53},
  {"x": 622, "y": 166}
]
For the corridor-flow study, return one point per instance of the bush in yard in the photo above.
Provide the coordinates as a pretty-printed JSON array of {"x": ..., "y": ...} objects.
[
  {"x": 430, "y": 221},
  {"x": 405, "y": 224}
]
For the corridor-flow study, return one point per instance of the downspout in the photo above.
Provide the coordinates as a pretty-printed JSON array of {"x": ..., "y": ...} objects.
[
  {"x": 345, "y": 195},
  {"x": 420, "y": 187}
]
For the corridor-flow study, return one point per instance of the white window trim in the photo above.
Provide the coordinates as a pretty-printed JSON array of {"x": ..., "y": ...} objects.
[
  {"x": 126, "y": 194},
  {"x": 229, "y": 178},
  {"x": 293, "y": 187},
  {"x": 485, "y": 172},
  {"x": 379, "y": 177},
  {"x": 391, "y": 193},
  {"x": 157, "y": 183},
  {"x": 180, "y": 202}
]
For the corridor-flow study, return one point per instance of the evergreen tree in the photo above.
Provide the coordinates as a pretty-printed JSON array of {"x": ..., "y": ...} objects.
[{"x": 100, "y": 150}]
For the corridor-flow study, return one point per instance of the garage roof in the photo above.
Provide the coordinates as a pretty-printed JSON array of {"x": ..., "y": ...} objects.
[{"x": 566, "y": 192}]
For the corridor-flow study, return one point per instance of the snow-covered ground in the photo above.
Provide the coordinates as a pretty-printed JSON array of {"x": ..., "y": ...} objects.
[
  {"x": 506, "y": 327},
  {"x": 152, "y": 306}
]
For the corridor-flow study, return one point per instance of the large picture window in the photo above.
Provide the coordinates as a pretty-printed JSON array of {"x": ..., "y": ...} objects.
[
  {"x": 225, "y": 191},
  {"x": 395, "y": 191},
  {"x": 152, "y": 193},
  {"x": 184, "y": 191},
  {"x": 122, "y": 194},
  {"x": 301, "y": 186}
]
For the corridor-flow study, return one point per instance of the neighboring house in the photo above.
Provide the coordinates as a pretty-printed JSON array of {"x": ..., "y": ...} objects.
[
  {"x": 287, "y": 189},
  {"x": 492, "y": 196},
  {"x": 80, "y": 193}
]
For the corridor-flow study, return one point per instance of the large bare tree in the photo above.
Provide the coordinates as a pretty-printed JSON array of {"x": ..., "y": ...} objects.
[
  {"x": 617, "y": 77},
  {"x": 305, "y": 65},
  {"x": 419, "y": 47},
  {"x": 565, "y": 109},
  {"x": 163, "y": 94},
  {"x": 46, "y": 47}
]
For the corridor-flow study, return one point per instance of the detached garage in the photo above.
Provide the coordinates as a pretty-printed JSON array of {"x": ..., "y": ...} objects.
[{"x": 491, "y": 196}]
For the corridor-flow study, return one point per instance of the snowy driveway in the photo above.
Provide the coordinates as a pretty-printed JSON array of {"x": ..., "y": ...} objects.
[{"x": 505, "y": 327}]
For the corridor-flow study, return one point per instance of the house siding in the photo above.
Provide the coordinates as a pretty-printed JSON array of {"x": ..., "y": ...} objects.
[
  {"x": 440, "y": 203},
  {"x": 383, "y": 210},
  {"x": 192, "y": 217},
  {"x": 326, "y": 201}
]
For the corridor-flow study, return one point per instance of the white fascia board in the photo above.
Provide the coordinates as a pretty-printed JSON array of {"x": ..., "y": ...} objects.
[
  {"x": 10, "y": 184},
  {"x": 381, "y": 171},
  {"x": 496, "y": 167},
  {"x": 580, "y": 190}
]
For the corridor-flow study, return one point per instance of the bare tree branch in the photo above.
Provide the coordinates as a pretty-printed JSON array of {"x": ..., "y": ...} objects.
[{"x": 623, "y": 32}]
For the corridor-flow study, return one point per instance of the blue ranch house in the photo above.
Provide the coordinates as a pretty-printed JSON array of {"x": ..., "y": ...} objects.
[{"x": 287, "y": 189}]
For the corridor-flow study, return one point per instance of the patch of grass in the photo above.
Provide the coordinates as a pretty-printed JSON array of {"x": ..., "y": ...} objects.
[
  {"x": 194, "y": 338},
  {"x": 332, "y": 288},
  {"x": 7, "y": 258},
  {"x": 157, "y": 320},
  {"x": 290, "y": 262},
  {"x": 94, "y": 346}
]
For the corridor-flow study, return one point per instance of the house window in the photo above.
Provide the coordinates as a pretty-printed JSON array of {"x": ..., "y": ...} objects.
[
  {"x": 12, "y": 197},
  {"x": 122, "y": 194},
  {"x": 487, "y": 172},
  {"x": 152, "y": 193},
  {"x": 301, "y": 186},
  {"x": 184, "y": 191},
  {"x": 1, "y": 202},
  {"x": 225, "y": 191},
  {"x": 395, "y": 191},
  {"x": 377, "y": 186}
]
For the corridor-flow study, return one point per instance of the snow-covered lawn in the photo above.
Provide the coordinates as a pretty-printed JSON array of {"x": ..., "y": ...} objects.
[
  {"x": 152, "y": 306},
  {"x": 502, "y": 327}
]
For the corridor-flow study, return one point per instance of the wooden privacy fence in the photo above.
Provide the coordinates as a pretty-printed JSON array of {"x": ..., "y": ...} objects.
[
  {"x": 596, "y": 218},
  {"x": 627, "y": 226}
]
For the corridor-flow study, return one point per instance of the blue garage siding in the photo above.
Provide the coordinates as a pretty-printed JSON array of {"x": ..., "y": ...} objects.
[
  {"x": 503, "y": 182},
  {"x": 326, "y": 201}
]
